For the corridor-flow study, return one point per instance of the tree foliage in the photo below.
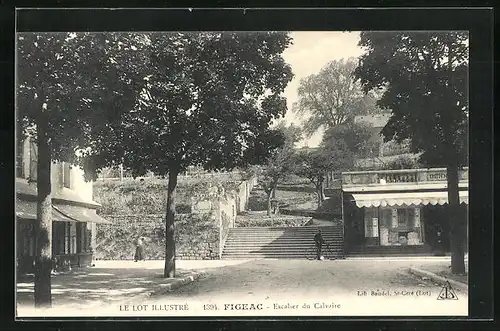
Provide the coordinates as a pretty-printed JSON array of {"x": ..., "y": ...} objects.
[
  {"x": 333, "y": 96},
  {"x": 80, "y": 80},
  {"x": 203, "y": 103},
  {"x": 403, "y": 162},
  {"x": 346, "y": 142},
  {"x": 424, "y": 75},
  {"x": 314, "y": 164},
  {"x": 66, "y": 82},
  {"x": 208, "y": 100},
  {"x": 279, "y": 165},
  {"x": 150, "y": 101}
]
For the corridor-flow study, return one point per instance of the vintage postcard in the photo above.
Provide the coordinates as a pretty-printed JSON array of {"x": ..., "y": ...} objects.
[{"x": 243, "y": 174}]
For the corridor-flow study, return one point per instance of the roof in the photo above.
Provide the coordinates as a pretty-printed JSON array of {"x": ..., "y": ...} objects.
[
  {"x": 60, "y": 213},
  {"x": 376, "y": 121},
  {"x": 63, "y": 195},
  {"x": 405, "y": 199}
]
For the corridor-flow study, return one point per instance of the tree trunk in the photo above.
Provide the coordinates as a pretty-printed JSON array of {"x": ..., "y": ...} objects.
[
  {"x": 274, "y": 192},
  {"x": 456, "y": 222},
  {"x": 43, "y": 259},
  {"x": 121, "y": 172},
  {"x": 269, "y": 203},
  {"x": 318, "y": 193},
  {"x": 169, "y": 271},
  {"x": 321, "y": 192}
]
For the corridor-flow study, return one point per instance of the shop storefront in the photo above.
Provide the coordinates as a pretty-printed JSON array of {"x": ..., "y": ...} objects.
[
  {"x": 408, "y": 220},
  {"x": 74, "y": 216},
  {"x": 73, "y": 228}
]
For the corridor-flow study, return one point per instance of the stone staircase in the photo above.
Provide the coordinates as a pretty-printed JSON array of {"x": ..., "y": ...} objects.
[{"x": 282, "y": 242}]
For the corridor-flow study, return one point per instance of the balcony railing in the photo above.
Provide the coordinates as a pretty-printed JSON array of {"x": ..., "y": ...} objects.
[{"x": 400, "y": 176}]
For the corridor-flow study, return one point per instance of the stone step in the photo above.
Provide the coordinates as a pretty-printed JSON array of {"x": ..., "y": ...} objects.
[
  {"x": 274, "y": 243},
  {"x": 289, "y": 255},
  {"x": 286, "y": 231},
  {"x": 280, "y": 243},
  {"x": 276, "y": 253},
  {"x": 277, "y": 248},
  {"x": 280, "y": 235},
  {"x": 290, "y": 228},
  {"x": 273, "y": 232},
  {"x": 273, "y": 256},
  {"x": 282, "y": 240},
  {"x": 280, "y": 247},
  {"x": 258, "y": 238},
  {"x": 285, "y": 234}
]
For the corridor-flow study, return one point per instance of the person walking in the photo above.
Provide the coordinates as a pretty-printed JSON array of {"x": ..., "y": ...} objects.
[
  {"x": 139, "y": 249},
  {"x": 319, "y": 241}
]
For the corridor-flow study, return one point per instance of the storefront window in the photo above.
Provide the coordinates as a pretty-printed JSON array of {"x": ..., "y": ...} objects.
[
  {"x": 58, "y": 231},
  {"x": 385, "y": 225},
  {"x": 89, "y": 237},
  {"x": 402, "y": 217},
  {"x": 82, "y": 237},
  {"x": 71, "y": 238},
  {"x": 400, "y": 226},
  {"x": 371, "y": 223}
]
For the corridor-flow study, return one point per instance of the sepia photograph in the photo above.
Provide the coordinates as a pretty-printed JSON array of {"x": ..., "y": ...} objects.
[{"x": 242, "y": 173}]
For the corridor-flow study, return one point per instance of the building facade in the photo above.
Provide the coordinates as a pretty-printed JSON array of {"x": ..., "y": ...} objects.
[
  {"x": 398, "y": 211},
  {"x": 74, "y": 212}
]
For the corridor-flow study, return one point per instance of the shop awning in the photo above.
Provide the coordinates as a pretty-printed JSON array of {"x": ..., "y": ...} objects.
[
  {"x": 407, "y": 199},
  {"x": 80, "y": 214},
  {"x": 27, "y": 210}
]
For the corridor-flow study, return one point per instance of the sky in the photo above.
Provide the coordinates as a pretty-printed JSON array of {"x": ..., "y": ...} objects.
[{"x": 311, "y": 50}]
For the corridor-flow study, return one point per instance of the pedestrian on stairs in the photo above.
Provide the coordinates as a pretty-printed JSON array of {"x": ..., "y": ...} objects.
[{"x": 319, "y": 241}]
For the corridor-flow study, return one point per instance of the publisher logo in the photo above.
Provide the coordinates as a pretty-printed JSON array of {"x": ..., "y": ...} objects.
[{"x": 447, "y": 293}]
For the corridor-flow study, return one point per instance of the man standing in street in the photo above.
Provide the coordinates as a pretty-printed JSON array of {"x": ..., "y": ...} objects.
[{"x": 318, "y": 239}]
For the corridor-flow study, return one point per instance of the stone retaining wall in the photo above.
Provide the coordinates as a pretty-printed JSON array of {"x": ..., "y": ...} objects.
[{"x": 197, "y": 238}]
